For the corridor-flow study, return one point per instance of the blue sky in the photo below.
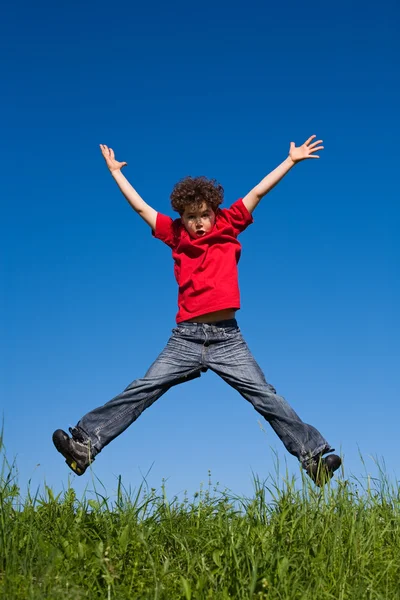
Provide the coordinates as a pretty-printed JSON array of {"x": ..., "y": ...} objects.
[{"x": 88, "y": 298}]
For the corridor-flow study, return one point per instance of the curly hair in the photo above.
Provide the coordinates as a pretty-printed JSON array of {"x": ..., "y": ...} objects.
[{"x": 193, "y": 191}]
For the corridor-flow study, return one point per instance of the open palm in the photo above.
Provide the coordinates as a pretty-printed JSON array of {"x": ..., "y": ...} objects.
[
  {"x": 112, "y": 164},
  {"x": 307, "y": 150}
]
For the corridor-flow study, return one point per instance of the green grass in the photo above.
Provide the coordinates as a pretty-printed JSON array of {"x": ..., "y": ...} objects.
[{"x": 289, "y": 541}]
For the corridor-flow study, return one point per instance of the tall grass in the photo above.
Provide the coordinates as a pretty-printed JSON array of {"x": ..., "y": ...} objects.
[{"x": 288, "y": 541}]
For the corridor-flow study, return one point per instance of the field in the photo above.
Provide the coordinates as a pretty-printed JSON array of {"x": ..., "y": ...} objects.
[{"x": 289, "y": 541}]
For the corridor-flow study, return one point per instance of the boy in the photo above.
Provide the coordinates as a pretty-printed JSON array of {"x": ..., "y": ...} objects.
[{"x": 206, "y": 252}]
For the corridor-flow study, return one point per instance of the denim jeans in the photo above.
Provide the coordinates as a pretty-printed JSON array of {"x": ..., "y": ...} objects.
[{"x": 194, "y": 348}]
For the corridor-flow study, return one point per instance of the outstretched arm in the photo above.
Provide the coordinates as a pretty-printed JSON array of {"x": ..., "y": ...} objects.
[
  {"x": 296, "y": 154},
  {"x": 147, "y": 213}
]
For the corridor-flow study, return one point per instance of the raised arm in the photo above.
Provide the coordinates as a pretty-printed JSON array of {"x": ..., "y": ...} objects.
[
  {"x": 147, "y": 213},
  {"x": 296, "y": 154}
]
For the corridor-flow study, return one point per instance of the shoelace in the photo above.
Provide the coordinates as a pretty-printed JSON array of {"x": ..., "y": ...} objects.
[{"x": 77, "y": 435}]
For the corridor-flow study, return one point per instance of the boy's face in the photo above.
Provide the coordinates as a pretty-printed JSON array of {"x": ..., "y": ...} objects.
[{"x": 198, "y": 221}]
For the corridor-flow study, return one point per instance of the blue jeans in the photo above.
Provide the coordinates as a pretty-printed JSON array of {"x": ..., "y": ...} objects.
[{"x": 194, "y": 348}]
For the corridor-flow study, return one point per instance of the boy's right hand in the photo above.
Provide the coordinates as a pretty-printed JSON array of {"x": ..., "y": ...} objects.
[{"x": 109, "y": 157}]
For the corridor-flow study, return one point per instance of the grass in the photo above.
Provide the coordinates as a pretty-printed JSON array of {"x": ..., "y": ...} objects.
[{"x": 288, "y": 541}]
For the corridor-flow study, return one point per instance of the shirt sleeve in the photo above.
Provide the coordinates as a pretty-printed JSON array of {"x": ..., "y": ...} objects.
[
  {"x": 238, "y": 216},
  {"x": 166, "y": 230}
]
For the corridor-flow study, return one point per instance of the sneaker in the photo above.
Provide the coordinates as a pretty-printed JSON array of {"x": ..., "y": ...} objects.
[
  {"x": 76, "y": 450},
  {"x": 321, "y": 469}
]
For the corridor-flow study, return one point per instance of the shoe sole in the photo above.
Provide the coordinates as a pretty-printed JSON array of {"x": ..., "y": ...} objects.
[{"x": 60, "y": 441}]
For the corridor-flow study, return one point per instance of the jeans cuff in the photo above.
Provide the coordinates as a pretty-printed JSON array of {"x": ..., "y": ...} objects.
[{"x": 309, "y": 458}]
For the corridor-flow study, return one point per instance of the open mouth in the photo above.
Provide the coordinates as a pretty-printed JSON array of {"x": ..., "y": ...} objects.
[{"x": 200, "y": 232}]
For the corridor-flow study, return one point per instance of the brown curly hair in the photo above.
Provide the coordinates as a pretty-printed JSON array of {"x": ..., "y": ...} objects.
[{"x": 193, "y": 191}]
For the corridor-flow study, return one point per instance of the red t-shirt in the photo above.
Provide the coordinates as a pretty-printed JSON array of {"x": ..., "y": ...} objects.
[{"x": 206, "y": 267}]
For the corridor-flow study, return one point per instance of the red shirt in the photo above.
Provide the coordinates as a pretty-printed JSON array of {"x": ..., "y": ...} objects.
[{"x": 206, "y": 268}]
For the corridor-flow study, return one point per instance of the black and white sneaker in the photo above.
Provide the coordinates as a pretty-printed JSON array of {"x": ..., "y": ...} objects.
[
  {"x": 322, "y": 469},
  {"x": 76, "y": 450}
]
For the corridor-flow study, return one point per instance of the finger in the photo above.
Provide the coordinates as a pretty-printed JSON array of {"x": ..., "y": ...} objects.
[
  {"x": 124, "y": 164},
  {"x": 313, "y": 156},
  {"x": 310, "y": 139},
  {"x": 315, "y": 143},
  {"x": 316, "y": 149},
  {"x": 291, "y": 145},
  {"x": 112, "y": 153}
]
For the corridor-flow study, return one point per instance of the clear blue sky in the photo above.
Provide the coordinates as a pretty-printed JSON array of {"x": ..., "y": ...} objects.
[{"x": 88, "y": 298}]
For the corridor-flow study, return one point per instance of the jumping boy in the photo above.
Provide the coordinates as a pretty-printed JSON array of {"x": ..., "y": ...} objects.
[{"x": 206, "y": 251}]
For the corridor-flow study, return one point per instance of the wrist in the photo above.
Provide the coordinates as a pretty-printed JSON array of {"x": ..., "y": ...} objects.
[{"x": 290, "y": 162}]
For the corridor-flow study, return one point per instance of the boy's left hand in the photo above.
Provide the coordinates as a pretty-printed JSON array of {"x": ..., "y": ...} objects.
[{"x": 306, "y": 150}]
